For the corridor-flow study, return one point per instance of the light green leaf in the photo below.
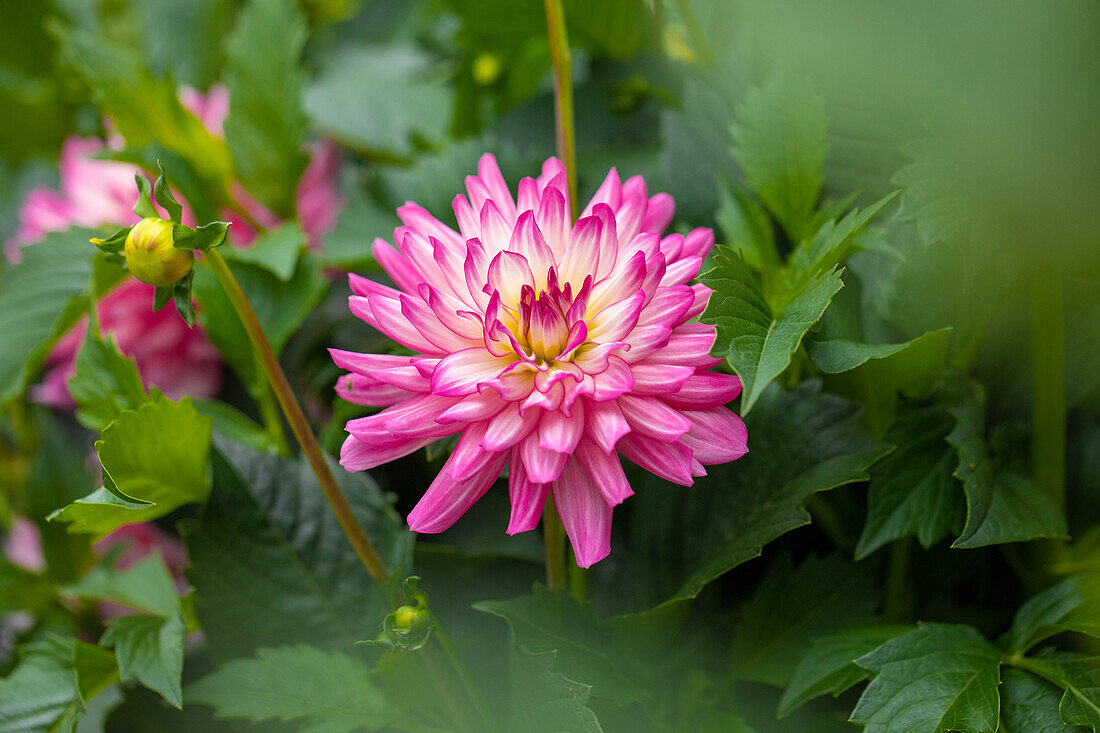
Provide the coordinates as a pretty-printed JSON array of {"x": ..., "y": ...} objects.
[
  {"x": 380, "y": 99},
  {"x": 545, "y": 701},
  {"x": 147, "y": 586},
  {"x": 756, "y": 339},
  {"x": 800, "y": 442},
  {"x": 234, "y": 424},
  {"x": 779, "y": 141},
  {"x": 1000, "y": 507},
  {"x": 149, "y": 651},
  {"x": 276, "y": 250},
  {"x": 270, "y": 564},
  {"x": 105, "y": 383},
  {"x": 41, "y": 297},
  {"x": 829, "y": 667},
  {"x": 936, "y": 679},
  {"x": 154, "y": 460},
  {"x": 790, "y": 607},
  {"x": 266, "y": 125},
  {"x": 1072, "y": 605},
  {"x": 330, "y": 692},
  {"x": 912, "y": 489},
  {"x": 146, "y": 109},
  {"x": 1030, "y": 705}
]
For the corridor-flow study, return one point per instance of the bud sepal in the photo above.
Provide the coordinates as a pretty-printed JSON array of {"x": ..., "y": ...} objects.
[{"x": 409, "y": 627}]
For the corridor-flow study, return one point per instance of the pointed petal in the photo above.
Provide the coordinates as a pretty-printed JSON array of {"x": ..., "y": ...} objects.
[
  {"x": 447, "y": 499},
  {"x": 717, "y": 435},
  {"x": 670, "y": 461},
  {"x": 584, "y": 514},
  {"x": 460, "y": 373},
  {"x": 527, "y": 498}
]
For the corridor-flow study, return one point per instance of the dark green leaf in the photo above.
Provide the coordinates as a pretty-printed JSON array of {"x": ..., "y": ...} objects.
[
  {"x": 545, "y": 701},
  {"x": 829, "y": 667},
  {"x": 912, "y": 489},
  {"x": 756, "y": 339},
  {"x": 779, "y": 141},
  {"x": 790, "y": 607},
  {"x": 276, "y": 250},
  {"x": 747, "y": 227},
  {"x": 41, "y": 297},
  {"x": 271, "y": 565},
  {"x": 330, "y": 692},
  {"x": 154, "y": 460},
  {"x": 1072, "y": 605},
  {"x": 105, "y": 383},
  {"x": 935, "y": 679},
  {"x": 1080, "y": 678},
  {"x": 265, "y": 79},
  {"x": 800, "y": 442},
  {"x": 1030, "y": 705}
]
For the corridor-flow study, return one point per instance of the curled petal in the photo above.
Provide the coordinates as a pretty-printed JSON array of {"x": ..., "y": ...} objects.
[
  {"x": 670, "y": 461},
  {"x": 717, "y": 435},
  {"x": 584, "y": 513},
  {"x": 460, "y": 373},
  {"x": 527, "y": 498},
  {"x": 542, "y": 465}
]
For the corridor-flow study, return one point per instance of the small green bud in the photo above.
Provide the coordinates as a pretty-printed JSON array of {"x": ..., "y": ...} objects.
[
  {"x": 486, "y": 69},
  {"x": 151, "y": 255},
  {"x": 404, "y": 616}
]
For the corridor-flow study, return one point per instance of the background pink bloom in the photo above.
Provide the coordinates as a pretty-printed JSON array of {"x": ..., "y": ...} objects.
[
  {"x": 98, "y": 194},
  {"x": 552, "y": 347}
]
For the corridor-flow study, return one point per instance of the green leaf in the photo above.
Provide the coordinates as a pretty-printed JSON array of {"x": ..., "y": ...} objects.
[
  {"x": 1080, "y": 678},
  {"x": 1030, "y": 705},
  {"x": 790, "y": 607},
  {"x": 834, "y": 241},
  {"x": 147, "y": 586},
  {"x": 163, "y": 196},
  {"x": 547, "y": 621},
  {"x": 149, "y": 651},
  {"x": 144, "y": 207},
  {"x": 266, "y": 125},
  {"x": 545, "y": 701},
  {"x": 330, "y": 692},
  {"x": 235, "y": 425},
  {"x": 154, "y": 460},
  {"x": 912, "y": 489},
  {"x": 747, "y": 228},
  {"x": 833, "y": 356},
  {"x": 275, "y": 250},
  {"x": 348, "y": 245},
  {"x": 47, "y": 690},
  {"x": 935, "y": 679},
  {"x": 756, "y": 339},
  {"x": 146, "y": 109},
  {"x": 270, "y": 564},
  {"x": 1000, "y": 507},
  {"x": 1072, "y": 605},
  {"x": 281, "y": 307},
  {"x": 200, "y": 238},
  {"x": 380, "y": 99},
  {"x": 41, "y": 297},
  {"x": 779, "y": 141},
  {"x": 105, "y": 383},
  {"x": 829, "y": 667},
  {"x": 800, "y": 442}
]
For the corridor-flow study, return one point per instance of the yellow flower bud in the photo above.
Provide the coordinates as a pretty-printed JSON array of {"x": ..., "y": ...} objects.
[
  {"x": 404, "y": 616},
  {"x": 151, "y": 256}
]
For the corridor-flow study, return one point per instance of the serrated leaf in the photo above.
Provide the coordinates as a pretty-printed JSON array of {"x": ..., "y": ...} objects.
[
  {"x": 756, "y": 339},
  {"x": 790, "y": 607},
  {"x": 1080, "y": 678},
  {"x": 329, "y": 692},
  {"x": 1072, "y": 605},
  {"x": 834, "y": 241},
  {"x": 147, "y": 586},
  {"x": 746, "y": 226},
  {"x": 154, "y": 460},
  {"x": 275, "y": 250},
  {"x": 912, "y": 489},
  {"x": 545, "y": 701},
  {"x": 105, "y": 383},
  {"x": 266, "y": 124},
  {"x": 41, "y": 297},
  {"x": 547, "y": 621},
  {"x": 150, "y": 651},
  {"x": 1030, "y": 705},
  {"x": 779, "y": 141},
  {"x": 270, "y": 564},
  {"x": 935, "y": 679},
  {"x": 829, "y": 667},
  {"x": 1000, "y": 507},
  {"x": 800, "y": 442}
]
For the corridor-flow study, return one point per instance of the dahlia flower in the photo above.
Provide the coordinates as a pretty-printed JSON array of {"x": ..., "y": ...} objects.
[
  {"x": 96, "y": 193},
  {"x": 552, "y": 348}
]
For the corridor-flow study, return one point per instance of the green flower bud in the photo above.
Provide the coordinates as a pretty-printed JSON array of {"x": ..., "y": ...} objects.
[
  {"x": 151, "y": 256},
  {"x": 405, "y": 616}
]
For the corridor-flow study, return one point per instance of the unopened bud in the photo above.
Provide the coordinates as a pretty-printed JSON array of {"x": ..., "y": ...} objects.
[
  {"x": 151, "y": 256},
  {"x": 404, "y": 617}
]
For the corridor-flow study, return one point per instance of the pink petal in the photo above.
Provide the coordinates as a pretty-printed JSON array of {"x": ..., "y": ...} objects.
[
  {"x": 704, "y": 390},
  {"x": 717, "y": 435},
  {"x": 560, "y": 433},
  {"x": 460, "y": 373},
  {"x": 508, "y": 273},
  {"x": 396, "y": 265},
  {"x": 474, "y": 408},
  {"x": 650, "y": 417},
  {"x": 610, "y": 193},
  {"x": 447, "y": 499},
  {"x": 670, "y": 461},
  {"x": 606, "y": 471},
  {"x": 605, "y": 424},
  {"x": 509, "y": 427},
  {"x": 542, "y": 465},
  {"x": 658, "y": 213},
  {"x": 584, "y": 513},
  {"x": 418, "y": 218},
  {"x": 617, "y": 379},
  {"x": 358, "y": 456},
  {"x": 527, "y": 499},
  {"x": 659, "y": 379}
]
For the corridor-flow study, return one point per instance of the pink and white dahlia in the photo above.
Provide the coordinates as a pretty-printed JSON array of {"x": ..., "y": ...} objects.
[
  {"x": 552, "y": 347},
  {"x": 101, "y": 193}
]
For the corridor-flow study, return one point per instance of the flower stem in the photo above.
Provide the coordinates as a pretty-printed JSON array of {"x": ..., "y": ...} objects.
[
  {"x": 554, "y": 539},
  {"x": 893, "y": 610},
  {"x": 297, "y": 419},
  {"x": 563, "y": 95},
  {"x": 269, "y": 413},
  {"x": 578, "y": 580}
]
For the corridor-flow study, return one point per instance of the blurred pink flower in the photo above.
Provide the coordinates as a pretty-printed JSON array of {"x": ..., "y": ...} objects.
[
  {"x": 22, "y": 545},
  {"x": 552, "y": 347},
  {"x": 99, "y": 193}
]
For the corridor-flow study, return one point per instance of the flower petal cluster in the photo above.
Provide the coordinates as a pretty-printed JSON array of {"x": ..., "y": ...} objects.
[
  {"x": 552, "y": 347},
  {"x": 97, "y": 193}
]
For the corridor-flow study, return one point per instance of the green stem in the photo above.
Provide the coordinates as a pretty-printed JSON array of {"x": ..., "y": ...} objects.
[
  {"x": 578, "y": 580},
  {"x": 828, "y": 521},
  {"x": 554, "y": 539},
  {"x": 269, "y": 413},
  {"x": 897, "y": 571},
  {"x": 563, "y": 95},
  {"x": 463, "y": 675},
  {"x": 297, "y": 419}
]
